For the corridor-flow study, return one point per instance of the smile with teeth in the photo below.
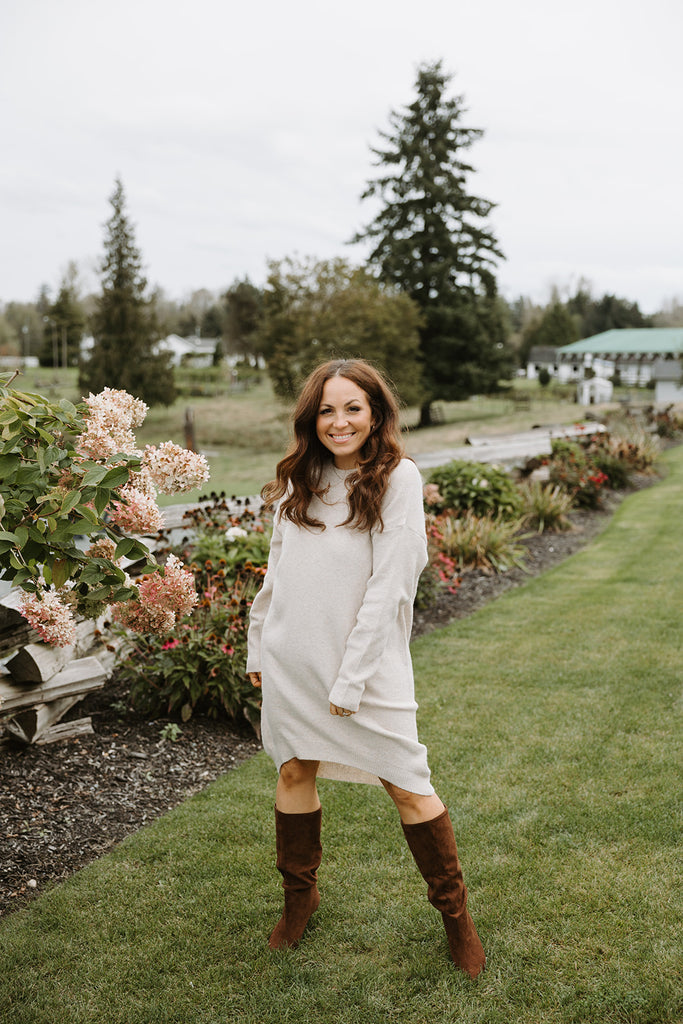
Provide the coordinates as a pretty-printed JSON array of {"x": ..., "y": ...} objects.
[{"x": 341, "y": 438}]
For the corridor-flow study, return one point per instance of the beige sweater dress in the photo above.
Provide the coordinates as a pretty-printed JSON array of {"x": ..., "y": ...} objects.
[{"x": 332, "y": 623}]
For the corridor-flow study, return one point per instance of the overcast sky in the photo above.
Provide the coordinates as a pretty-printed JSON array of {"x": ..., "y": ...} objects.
[{"x": 242, "y": 133}]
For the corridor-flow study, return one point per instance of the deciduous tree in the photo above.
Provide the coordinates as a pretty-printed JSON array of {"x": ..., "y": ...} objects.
[{"x": 315, "y": 311}]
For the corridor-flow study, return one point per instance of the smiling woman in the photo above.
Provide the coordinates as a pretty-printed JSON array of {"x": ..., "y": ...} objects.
[
  {"x": 344, "y": 420},
  {"x": 329, "y": 641}
]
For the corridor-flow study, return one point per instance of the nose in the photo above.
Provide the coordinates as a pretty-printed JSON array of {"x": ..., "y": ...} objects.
[{"x": 340, "y": 420}]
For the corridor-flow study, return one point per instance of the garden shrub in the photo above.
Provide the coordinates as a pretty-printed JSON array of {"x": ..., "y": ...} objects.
[
  {"x": 480, "y": 542},
  {"x": 439, "y": 575},
  {"x": 70, "y": 471},
  {"x": 634, "y": 445},
  {"x": 572, "y": 469},
  {"x": 546, "y": 507},
  {"x": 477, "y": 487},
  {"x": 201, "y": 667}
]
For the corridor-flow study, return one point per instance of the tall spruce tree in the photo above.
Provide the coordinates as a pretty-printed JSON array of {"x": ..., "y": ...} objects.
[
  {"x": 64, "y": 324},
  {"x": 430, "y": 239},
  {"x": 124, "y": 323}
]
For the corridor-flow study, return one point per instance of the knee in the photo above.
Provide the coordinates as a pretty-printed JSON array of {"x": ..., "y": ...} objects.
[
  {"x": 297, "y": 773},
  {"x": 406, "y": 801}
]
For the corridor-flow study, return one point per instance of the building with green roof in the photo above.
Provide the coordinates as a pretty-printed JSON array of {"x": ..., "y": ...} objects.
[{"x": 632, "y": 354}]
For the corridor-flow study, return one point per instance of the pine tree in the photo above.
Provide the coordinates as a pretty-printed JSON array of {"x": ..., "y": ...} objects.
[
  {"x": 430, "y": 240},
  {"x": 64, "y": 324},
  {"x": 124, "y": 325}
]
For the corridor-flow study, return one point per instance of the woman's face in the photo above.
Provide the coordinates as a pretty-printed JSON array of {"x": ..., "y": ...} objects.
[{"x": 344, "y": 420}]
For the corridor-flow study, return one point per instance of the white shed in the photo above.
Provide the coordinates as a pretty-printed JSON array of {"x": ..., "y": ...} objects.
[
  {"x": 594, "y": 390},
  {"x": 667, "y": 375}
]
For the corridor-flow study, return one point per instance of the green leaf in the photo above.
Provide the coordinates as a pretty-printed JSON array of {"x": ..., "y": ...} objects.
[
  {"x": 6, "y": 535},
  {"x": 60, "y": 572},
  {"x": 66, "y": 406},
  {"x": 87, "y": 513},
  {"x": 9, "y": 464},
  {"x": 95, "y": 475},
  {"x": 124, "y": 547},
  {"x": 21, "y": 533},
  {"x": 15, "y": 562},
  {"x": 116, "y": 477},
  {"x": 70, "y": 501},
  {"x": 101, "y": 500}
]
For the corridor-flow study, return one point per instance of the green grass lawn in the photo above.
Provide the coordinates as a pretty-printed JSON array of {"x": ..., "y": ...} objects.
[{"x": 553, "y": 720}]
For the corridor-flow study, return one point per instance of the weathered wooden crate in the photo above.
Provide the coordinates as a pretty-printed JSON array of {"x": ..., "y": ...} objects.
[{"x": 39, "y": 683}]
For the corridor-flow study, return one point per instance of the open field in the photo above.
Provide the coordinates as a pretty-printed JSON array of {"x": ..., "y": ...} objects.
[
  {"x": 553, "y": 721},
  {"x": 244, "y": 433}
]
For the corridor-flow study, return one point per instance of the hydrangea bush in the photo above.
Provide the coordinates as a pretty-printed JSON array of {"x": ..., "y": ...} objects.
[
  {"x": 201, "y": 667},
  {"x": 70, "y": 471}
]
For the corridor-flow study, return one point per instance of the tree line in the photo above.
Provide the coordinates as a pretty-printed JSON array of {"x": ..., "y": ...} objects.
[{"x": 424, "y": 306}]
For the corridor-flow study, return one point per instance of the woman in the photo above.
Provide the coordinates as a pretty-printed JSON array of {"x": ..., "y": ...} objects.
[{"x": 329, "y": 641}]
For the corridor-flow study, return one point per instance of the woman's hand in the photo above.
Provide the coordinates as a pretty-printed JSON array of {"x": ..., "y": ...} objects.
[
  {"x": 344, "y": 712},
  {"x": 255, "y": 678}
]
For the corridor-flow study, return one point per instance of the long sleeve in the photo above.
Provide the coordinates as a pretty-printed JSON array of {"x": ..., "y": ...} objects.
[
  {"x": 261, "y": 603},
  {"x": 399, "y": 553}
]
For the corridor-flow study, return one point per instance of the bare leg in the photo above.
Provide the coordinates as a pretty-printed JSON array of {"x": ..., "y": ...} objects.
[
  {"x": 296, "y": 791},
  {"x": 413, "y": 807}
]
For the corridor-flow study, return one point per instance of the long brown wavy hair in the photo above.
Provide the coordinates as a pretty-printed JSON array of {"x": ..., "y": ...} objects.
[{"x": 299, "y": 473}]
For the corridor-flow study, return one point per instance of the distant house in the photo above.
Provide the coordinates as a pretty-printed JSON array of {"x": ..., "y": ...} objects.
[
  {"x": 631, "y": 354},
  {"x": 668, "y": 377},
  {"x": 541, "y": 357},
  {"x": 189, "y": 351}
]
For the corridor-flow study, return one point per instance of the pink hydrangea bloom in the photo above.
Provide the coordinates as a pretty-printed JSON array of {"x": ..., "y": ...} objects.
[
  {"x": 163, "y": 600},
  {"x": 49, "y": 616},
  {"x": 111, "y": 416},
  {"x": 138, "y": 513},
  {"x": 116, "y": 404},
  {"x": 174, "y": 469}
]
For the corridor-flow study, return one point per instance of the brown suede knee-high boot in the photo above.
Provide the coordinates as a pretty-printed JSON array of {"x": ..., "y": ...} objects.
[
  {"x": 298, "y": 857},
  {"x": 432, "y": 844}
]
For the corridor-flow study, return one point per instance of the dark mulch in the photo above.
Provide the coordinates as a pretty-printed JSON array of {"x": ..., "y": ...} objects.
[{"x": 64, "y": 805}]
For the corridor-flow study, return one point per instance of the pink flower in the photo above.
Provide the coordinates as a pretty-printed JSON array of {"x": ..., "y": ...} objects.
[
  {"x": 174, "y": 469},
  {"x": 47, "y": 614},
  {"x": 108, "y": 426},
  {"x": 228, "y": 650},
  {"x": 432, "y": 495},
  {"x": 163, "y": 600},
  {"x": 138, "y": 513},
  {"x": 169, "y": 645}
]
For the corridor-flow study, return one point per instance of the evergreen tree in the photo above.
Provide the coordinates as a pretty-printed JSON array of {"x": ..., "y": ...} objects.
[
  {"x": 605, "y": 314},
  {"x": 64, "y": 323},
  {"x": 124, "y": 324},
  {"x": 430, "y": 240},
  {"x": 553, "y": 329}
]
